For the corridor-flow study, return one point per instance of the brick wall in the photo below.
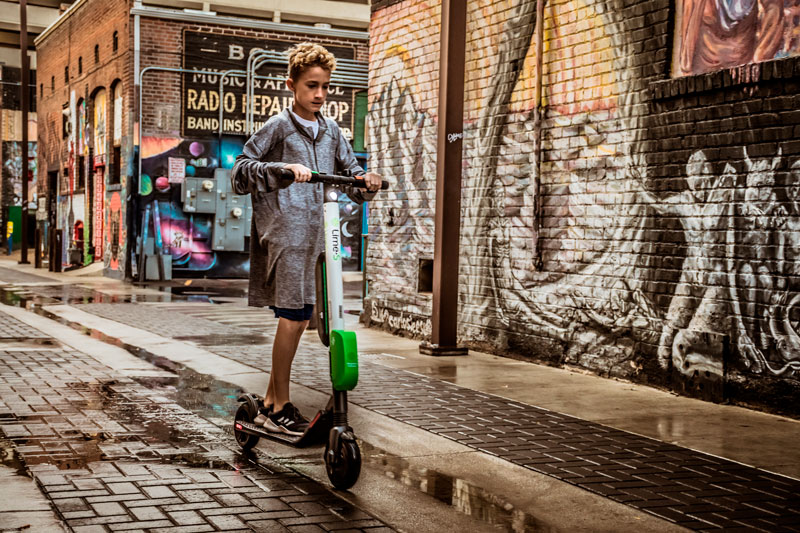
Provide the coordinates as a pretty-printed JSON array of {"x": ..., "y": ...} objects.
[
  {"x": 93, "y": 23},
  {"x": 72, "y": 45},
  {"x": 654, "y": 236}
]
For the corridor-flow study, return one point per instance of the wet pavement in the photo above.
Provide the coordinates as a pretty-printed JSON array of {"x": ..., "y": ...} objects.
[
  {"x": 173, "y": 412},
  {"x": 116, "y": 453}
]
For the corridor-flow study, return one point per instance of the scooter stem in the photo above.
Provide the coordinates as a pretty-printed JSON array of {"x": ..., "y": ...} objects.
[{"x": 333, "y": 258}]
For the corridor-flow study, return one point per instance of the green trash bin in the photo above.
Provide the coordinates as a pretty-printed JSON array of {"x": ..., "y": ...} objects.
[{"x": 15, "y": 216}]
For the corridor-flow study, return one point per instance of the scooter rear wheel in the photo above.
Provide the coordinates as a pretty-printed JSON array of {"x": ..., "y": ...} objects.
[
  {"x": 245, "y": 440},
  {"x": 344, "y": 465}
]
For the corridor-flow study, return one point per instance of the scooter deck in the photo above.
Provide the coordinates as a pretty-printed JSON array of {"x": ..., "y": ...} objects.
[{"x": 317, "y": 432}]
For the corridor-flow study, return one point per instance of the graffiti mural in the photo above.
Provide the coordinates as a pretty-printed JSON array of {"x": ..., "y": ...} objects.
[
  {"x": 187, "y": 237},
  {"x": 629, "y": 270},
  {"x": 729, "y": 33},
  {"x": 115, "y": 238},
  {"x": 12, "y": 171}
]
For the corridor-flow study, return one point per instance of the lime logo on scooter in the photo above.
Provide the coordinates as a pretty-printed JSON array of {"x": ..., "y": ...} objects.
[{"x": 332, "y": 227}]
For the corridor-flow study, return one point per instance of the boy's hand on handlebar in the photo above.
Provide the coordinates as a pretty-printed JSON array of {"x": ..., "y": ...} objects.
[
  {"x": 373, "y": 181},
  {"x": 301, "y": 173}
]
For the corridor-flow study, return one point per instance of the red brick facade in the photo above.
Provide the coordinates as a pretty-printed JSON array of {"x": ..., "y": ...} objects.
[
  {"x": 90, "y": 24},
  {"x": 109, "y": 221}
]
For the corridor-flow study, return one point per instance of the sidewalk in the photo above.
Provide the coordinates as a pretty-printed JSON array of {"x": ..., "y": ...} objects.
[
  {"x": 673, "y": 457},
  {"x": 83, "y": 430}
]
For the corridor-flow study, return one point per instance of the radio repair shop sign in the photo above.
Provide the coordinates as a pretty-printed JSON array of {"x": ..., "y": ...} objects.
[{"x": 201, "y": 97}]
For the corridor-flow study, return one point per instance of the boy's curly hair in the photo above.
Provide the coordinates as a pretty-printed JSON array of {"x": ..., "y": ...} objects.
[{"x": 306, "y": 55}]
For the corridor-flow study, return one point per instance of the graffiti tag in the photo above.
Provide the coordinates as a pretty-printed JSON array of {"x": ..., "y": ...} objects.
[{"x": 414, "y": 325}]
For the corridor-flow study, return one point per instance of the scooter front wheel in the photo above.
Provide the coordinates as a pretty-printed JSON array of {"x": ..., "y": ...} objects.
[
  {"x": 245, "y": 440},
  {"x": 343, "y": 465}
]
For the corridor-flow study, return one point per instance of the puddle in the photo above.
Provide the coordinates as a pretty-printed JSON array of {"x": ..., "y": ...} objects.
[
  {"x": 459, "y": 494},
  {"x": 152, "y": 432},
  {"x": 205, "y": 290},
  {"x": 225, "y": 340},
  {"x": 41, "y": 295},
  {"x": 199, "y": 393},
  {"x": 9, "y": 457},
  {"x": 23, "y": 343}
]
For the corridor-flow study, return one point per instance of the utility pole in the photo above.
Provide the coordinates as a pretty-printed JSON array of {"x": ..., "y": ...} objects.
[
  {"x": 447, "y": 219},
  {"x": 25, "y": 104}
]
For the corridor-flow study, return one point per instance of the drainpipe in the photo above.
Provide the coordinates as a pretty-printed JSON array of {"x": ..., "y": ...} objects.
[
  {"x": 537, "y": 129},
  {"x": 132, "y": 195}
]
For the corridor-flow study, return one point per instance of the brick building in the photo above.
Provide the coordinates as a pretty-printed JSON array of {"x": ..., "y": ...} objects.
[
  {"x": 38, "y": 17},
  {"x": 646, "y": 228},
  {"x": 103, "y": 195}
]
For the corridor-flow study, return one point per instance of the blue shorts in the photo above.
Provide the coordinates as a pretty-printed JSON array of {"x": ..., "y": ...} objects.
[{"x": 297, "y": 315}]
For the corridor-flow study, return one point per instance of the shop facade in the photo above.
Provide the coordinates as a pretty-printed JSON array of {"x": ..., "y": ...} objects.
[{"x": 143, "y": 142}]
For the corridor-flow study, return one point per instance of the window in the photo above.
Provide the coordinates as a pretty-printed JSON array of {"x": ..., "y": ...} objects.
[
  {"x": 97, "y": 53},
  {"x": 115, "y": 43},
  {"x": 52, "y": 83},
  {"x": 81, "y": 174},
  {"x": 115, "y": 117},
  {"x": 41, "y": 90},
  {"x": 80, "y": 65},
  {"x": 66, "y": 74},
  {"x": 64, "y": 124},
  {"x": 116, "y": 161}
]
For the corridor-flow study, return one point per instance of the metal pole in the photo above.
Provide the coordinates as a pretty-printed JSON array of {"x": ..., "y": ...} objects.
[
  {"x": 59, "y": 245},
  {"x": 25, "y": 97},
  {"x": 447, "y": 218},
  {"x": 37, "y": 254}
]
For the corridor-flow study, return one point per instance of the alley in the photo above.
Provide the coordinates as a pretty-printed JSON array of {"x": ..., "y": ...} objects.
[{"x": 117, "y": 400}]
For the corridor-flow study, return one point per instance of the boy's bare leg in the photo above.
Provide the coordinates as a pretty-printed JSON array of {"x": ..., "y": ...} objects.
[{"x": 284, "y": 347}]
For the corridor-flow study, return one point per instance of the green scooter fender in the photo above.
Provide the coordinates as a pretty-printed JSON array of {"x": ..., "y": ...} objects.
[{"x": 344, "y": 360}]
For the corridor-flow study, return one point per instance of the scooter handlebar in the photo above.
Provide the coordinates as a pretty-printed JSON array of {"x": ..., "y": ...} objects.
[{"x": 332, "y": 179}]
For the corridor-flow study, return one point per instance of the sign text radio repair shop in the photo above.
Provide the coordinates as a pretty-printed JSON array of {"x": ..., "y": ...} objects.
[{"x": 213, "y": 52}]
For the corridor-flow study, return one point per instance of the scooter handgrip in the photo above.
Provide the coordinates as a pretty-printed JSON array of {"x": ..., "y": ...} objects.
[
  {"x": 358, "y": 181},
  {"x": 286, "y": 174}
]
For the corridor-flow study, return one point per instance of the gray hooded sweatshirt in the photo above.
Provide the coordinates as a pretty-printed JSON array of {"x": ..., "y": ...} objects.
[{"x": 286, "y": 236}]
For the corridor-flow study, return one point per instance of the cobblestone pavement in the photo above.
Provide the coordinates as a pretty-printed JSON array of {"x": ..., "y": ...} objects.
[
  {"x": 13, "y": 329},
  {"x": 692, "y": 489},
  {"x": 114, "y": 454}
]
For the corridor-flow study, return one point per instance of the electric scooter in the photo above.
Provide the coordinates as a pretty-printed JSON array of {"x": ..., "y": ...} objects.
[{"x": 342, "y": 455}]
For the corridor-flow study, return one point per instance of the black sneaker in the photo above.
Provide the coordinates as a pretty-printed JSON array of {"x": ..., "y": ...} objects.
[
  {"x": 288, "y": 420},
  {"x": 261, "y": 417}
]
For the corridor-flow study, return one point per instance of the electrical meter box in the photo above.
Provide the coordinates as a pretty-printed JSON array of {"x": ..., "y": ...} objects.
[
  {"x": 232, "y": 216},
  {"x": 199, "y": 195},
  {"x": 232, "y": 213}
]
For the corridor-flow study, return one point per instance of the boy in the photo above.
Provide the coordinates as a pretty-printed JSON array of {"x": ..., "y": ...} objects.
[{"x": 286, "y": 236}]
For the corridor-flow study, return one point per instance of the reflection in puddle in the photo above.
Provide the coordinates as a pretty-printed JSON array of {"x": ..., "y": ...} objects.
[
  {"x": 9, "y": 457},
  {"x": 199, "y": 393},
  {"x": 225, "y": 340},
  {"x": 142, "y": 427},
  {"x": 462, "y": 496},
  {"x": 28, "y": 343}
]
